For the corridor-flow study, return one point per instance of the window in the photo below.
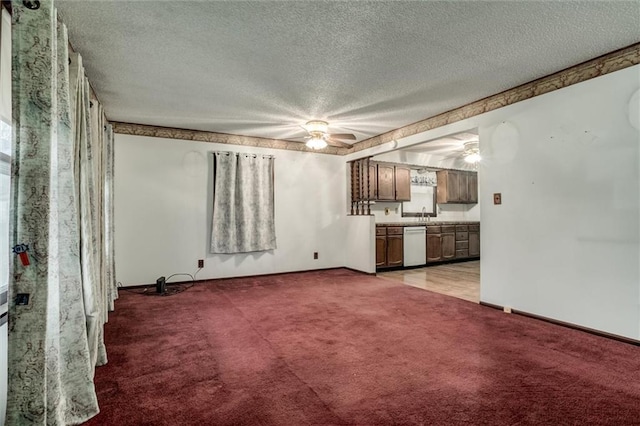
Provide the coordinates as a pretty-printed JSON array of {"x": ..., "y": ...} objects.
[
  {"x": 5, "y": 197},
  {"x": 5, "y": 150},
  {"x": 5, "y": 189}
]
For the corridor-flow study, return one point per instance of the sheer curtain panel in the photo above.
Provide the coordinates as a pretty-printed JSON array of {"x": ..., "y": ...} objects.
[{"x": 243, "y": 203}]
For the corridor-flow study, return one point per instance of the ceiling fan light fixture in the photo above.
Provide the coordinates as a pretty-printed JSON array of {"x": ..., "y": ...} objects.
[
  {"x": 316, "y": 142},
  {"x": 473, "y": 158},
  {"x": 317, "y": 126},
  {"x": 471, "y": 152},
  {"x": 319, "y": 136}
]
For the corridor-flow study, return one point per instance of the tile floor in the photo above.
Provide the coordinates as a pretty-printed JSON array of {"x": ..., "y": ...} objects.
[{"x": 461, "y": 280}]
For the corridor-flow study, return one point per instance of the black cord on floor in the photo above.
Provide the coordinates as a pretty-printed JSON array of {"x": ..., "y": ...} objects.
[{"x": 171, "y": 289}]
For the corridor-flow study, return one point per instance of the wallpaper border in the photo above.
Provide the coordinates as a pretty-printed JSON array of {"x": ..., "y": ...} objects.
[
  {"x": 611, "y": 62},
  {"x": 222, "y": 138}
]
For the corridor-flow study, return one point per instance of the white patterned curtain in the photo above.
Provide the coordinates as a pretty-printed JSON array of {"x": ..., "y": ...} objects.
[
  {"x": 50, "y": 372},
  {"x": 243, "y": 203},
  {"x": 88, "y": 131},
  {"x": 62, "y": 209},
  {"x": 108, "y": 254}
]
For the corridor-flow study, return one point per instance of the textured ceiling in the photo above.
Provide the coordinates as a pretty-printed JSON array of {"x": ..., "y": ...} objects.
[{"x": 264, "y": 68}]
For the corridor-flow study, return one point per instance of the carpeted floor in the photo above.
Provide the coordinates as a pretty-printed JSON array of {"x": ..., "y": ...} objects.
[{"x": 341, "y": 348}]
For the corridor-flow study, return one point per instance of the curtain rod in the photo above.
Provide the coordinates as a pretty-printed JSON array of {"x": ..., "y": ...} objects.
[{"x": 243, "y": 153}]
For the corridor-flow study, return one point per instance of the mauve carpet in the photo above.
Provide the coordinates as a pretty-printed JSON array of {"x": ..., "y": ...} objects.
[{"x": 341, "y": 348}]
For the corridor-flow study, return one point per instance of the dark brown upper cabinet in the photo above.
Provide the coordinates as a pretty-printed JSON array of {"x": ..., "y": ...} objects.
[
  {"x": 457, "y": 187},
  {"x": 393, "y": 182},
  {"x": 403, "y": 183},
  {"x": 386, "y": 183}
]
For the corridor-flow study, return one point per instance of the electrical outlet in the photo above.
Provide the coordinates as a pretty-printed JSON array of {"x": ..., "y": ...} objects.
[
  {"x": 497, "y": 198},
  {"x": 507, "y": 309},
  {"x": 22, "y": 299},
  {"x": 315, "y": 255},
  {"x": 200, "y": 263}
]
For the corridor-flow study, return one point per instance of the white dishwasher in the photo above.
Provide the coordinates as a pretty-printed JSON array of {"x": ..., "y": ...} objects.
[{"x": 415, "y": 245}]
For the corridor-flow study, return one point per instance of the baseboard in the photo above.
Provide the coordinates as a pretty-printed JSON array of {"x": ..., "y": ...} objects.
[
  {"x": 612, "y": 336},
  {"x": 491, "y": 305},
  {"x": 373, "y": 274},
  {"x": 243, "y": 276}
]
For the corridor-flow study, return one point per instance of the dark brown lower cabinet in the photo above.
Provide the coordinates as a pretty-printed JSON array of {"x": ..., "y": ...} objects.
[
  {"x": 444, "y": 242},
  {"x": 441, "y": 243},
  {"x": 474, "y": 241},
  {"x": 395, "y": 250},
  {"x": 462, "y": 241},
  {"x": 381, "y": 251},
  {"x": 448, "y": 242},
  {"x": 389, "y": 247},
  {"x": 434, "y": 248}
]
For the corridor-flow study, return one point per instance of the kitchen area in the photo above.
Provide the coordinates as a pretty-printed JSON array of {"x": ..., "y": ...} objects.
[{"x": 427, "y": 215}]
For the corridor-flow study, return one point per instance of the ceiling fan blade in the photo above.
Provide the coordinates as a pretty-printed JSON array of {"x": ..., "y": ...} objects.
[
  {"x": 345, "y": 136},
  {"x": 339, "y": 144},
  {"x": 456, "y": 155}
]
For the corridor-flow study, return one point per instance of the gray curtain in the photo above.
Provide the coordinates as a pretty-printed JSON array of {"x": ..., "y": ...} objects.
[
  {"x": 50, "y": 371},
  {"x": 243, "y": 203}
]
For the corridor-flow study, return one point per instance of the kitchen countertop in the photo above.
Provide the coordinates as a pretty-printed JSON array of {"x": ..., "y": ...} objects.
[{"x": 432, "y": 223}]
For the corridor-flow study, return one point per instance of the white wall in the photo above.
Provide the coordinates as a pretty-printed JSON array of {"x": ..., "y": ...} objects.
[
  {"x": 569, "y": 187},
  {"x": 162, "y": 213},
  {"x": 565, "y": 243},
  {"x": 361, "y": 243}
]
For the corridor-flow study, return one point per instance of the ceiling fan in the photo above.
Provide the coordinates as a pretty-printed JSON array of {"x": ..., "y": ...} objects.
[
  {"x": 319, "y": 136},
  {"x": 469, "y": 152}
]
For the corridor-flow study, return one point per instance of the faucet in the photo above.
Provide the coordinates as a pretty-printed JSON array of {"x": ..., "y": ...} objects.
[{"x": 424, "y": 210}]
